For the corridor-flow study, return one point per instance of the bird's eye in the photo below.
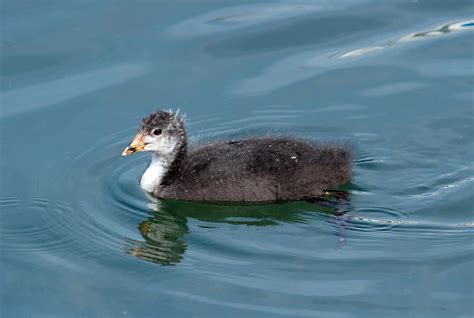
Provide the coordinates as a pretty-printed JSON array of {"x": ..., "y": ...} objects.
[{"x": 157, "y": 132}]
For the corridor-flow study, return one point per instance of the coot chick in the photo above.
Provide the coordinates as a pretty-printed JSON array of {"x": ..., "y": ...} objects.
[{"x": 270, "y": 169}]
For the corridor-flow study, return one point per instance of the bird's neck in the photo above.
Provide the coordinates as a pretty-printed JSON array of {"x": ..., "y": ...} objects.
[{"x": 163, "y": 168}]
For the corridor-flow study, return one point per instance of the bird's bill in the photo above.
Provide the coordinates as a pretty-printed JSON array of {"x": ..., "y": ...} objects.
[{"x": 136, "y": 145}]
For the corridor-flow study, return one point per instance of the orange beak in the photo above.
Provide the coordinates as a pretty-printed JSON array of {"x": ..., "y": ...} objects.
[{"x": 136, "y": 145}]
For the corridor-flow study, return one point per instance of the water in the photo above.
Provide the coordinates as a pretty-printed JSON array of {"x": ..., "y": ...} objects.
[{"x": 78, "y": 238}]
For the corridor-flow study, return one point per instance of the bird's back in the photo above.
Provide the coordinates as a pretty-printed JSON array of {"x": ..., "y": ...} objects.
[{"x": 259, "y": 170}]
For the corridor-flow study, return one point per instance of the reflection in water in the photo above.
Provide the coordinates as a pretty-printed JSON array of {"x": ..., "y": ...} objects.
[
  {"x": 165, "y": 229},
  {"x": 163, "y": 234}
]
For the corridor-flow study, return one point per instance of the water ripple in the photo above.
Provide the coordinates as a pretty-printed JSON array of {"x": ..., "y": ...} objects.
[
  {"x": 236, "y": 17},
  {"x": 307, "y": 64},
  {"x": 40, "y": 96},
  {"x": 35, "y": 233}
]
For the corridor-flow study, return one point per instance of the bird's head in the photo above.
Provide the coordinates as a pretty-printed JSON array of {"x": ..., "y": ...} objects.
[{"x": 160, "y": 132}]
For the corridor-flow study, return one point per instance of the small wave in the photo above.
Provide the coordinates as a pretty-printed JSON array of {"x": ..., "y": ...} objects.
[
  {"x": 442, "y": 30},
  {"x": 42, "y": 95},
  {"x": 31, "y": 226},
  {"x": 375, "y": 219},
  {"x": 238, "y": 17},
  {"x": 304, "y": 65}
]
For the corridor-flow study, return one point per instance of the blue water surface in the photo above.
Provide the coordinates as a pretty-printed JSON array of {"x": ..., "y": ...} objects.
[{"x": 394, "y": 79}]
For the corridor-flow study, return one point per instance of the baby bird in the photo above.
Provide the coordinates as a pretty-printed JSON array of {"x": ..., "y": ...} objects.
[{"x": 259, "y": 170}]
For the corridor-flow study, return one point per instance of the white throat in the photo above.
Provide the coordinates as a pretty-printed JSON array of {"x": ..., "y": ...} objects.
[{"x": 155, "y": 172}]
